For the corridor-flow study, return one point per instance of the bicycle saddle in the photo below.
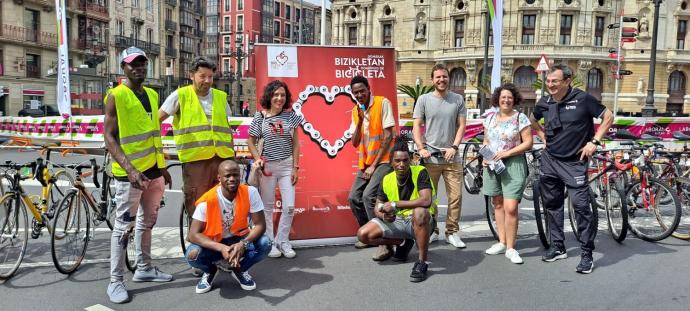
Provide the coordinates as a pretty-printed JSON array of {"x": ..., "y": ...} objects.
[
  {"x": 680, "y": 135},
  {"x": 624, "y": 134},
  {"x": 650, "y": 137}
]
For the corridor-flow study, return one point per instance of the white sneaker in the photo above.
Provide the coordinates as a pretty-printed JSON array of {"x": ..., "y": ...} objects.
[
  {"x": 433, "y": 238},
  {"x": 287, "y": 250},
  {"x": 454, "y": 239},
  {"x": 514, "y": 256},
  {"x": 497, "y": 248},
  {"x": 275, "y": 252}
]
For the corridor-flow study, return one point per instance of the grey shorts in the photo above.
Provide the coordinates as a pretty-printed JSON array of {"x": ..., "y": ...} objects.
[{"x": 401, "y": 228}]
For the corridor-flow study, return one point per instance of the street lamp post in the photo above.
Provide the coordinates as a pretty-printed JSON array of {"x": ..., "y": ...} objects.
[
  {"x": 648, "y": 110},
  {"x": 230, "y": 76},
  {"x": 239, "y": 55}
]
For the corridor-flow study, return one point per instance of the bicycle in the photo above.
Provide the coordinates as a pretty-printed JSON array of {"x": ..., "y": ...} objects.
[
  {"x": 73, "y": 212},
  {"x": 472, "y": 167},
  {"x": 14, "y": 224}
]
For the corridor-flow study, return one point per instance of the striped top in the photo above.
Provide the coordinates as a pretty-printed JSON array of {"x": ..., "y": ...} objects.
[{"x": 277, "y": 133}]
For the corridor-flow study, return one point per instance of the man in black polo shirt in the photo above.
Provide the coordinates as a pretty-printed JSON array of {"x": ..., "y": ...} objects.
[{"x": 568, "y": 133}]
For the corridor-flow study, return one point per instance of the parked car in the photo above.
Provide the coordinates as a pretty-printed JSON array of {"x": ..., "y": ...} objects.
[{"x": 49, "y": 111}]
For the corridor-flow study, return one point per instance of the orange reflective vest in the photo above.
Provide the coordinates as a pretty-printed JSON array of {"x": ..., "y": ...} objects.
[
  {"x": 214, "y": 219},
  {"x": 373, "y": 135}
]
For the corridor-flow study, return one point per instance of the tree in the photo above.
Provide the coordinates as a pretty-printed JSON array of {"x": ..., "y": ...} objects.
[{"x": 415, "y": 91}]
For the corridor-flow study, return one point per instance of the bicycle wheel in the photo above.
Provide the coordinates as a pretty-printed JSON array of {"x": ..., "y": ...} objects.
[
  {"x": 572, "y": 217},
  {"x": 60, "y": 183},
  {"x": 14, "y": 235},
  {"x": 131, "y": 253},
  {"x": 185, "y": 222},
  {"x": 5, "y": 184},
  {"x": 683, "y": 230},
  {"x": 471, "y": 168},
  {"x": 616, "y": 212},
  {"x": 648, "y": 217},
  {"x": 490, "y": 215},
  {"x": 597, "y": 185},
  {"x": 110, "y": 204},
  {"x": 540, "y": 216},
  {"x": 70, "y": 235},
  {"x": 528, "y": 193}
]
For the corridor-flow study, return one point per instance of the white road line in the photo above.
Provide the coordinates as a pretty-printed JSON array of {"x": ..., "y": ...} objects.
[{"x": 98, "y": 307}]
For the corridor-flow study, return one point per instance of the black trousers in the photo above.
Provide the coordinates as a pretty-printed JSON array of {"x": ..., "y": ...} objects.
[{"x": 556, "y": 175}]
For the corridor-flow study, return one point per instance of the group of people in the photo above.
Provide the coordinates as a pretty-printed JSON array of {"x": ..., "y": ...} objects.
[
  {"x": 396, "y": 206},
  {"x": 393, "y": 202}
]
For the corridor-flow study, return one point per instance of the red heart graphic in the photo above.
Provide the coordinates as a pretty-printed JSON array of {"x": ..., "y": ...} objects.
[{"x": 282, "y": 58}]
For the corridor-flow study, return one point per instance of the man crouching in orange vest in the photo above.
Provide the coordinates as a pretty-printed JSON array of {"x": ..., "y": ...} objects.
[{"x": 220, "y": 233}]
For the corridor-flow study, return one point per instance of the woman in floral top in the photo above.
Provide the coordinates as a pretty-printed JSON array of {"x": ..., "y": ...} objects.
[{"x": 508, "y": 134}]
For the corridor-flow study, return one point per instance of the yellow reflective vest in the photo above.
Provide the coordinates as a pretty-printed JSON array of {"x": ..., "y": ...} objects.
[
  {"x": 139, "y": 133},
  {"x": 390, "y": 188},
  {"x": 195, "y": 138}
]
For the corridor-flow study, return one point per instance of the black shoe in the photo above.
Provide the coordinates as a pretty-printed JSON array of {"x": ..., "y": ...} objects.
[
  {"x": 554, "y": 253},
  {"x": 402, "y": 250},
  {"x": 586, "y": 263},
  {"x": 419, "y": 271}
]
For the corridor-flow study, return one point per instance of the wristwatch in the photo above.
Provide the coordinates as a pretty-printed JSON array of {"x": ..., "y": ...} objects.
[
  {"x": 245, "y": 243},
  {"x": 595, "y": 142}
]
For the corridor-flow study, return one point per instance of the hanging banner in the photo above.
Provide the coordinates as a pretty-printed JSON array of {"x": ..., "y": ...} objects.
[
  {"x": 495, "y": 8},
  {"x": 319, "y": 80},
  {"x": 63, "y": 94}
]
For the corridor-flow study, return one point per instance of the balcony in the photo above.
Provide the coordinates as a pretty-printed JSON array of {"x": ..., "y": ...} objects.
[
  {"x": 89, "y": 46},
  {"x": 199, "y": 33},
  {"x": 33, "y": 71},
  {"x": 226, "y": 29},
  {"x": 27, "y": 36},
  {"x": 171, "y": 52},
  {"x": 123, "y": 42},
  {"x": 171, "y": 2},
  {"x": 187, "y": 48},
  {"x": 190, "y": 7},
  {"x": 170, "y": 25},
  {"x": 94, "y": 9}
]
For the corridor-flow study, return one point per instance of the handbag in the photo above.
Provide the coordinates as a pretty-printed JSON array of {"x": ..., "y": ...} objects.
[{"x": 256, "y": 171}]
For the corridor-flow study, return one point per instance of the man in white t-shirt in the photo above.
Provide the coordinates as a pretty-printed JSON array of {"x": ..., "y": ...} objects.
[
  {"x": 223, "y": 235},
  {"x": 203, "y": 136}
]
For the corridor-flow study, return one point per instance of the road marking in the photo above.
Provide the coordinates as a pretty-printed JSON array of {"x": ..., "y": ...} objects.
[{"x": 98, "y": 307}]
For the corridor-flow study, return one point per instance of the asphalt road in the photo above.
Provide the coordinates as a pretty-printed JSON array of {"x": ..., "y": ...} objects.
[{"x": 635, "y": 275}]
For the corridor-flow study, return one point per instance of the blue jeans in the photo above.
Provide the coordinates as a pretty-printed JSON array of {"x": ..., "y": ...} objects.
[{"x": 205, "y": 258}]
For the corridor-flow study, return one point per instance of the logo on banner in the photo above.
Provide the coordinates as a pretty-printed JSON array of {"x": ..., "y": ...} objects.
[
  {"x": 331, "y": 149},
  {"x": 282, "y": 61}
]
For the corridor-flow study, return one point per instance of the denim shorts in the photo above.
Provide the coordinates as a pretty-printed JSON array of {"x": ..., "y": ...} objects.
[{"x": 510, "y": 183}]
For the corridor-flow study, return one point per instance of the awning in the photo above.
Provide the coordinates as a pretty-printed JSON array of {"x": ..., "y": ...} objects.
[{"x": 34, "y": 92}]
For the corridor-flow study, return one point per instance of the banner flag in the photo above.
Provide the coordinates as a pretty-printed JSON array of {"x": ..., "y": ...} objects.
[
  {"x": 63, "y": 93},
  {"x": 495, "y": 8}
]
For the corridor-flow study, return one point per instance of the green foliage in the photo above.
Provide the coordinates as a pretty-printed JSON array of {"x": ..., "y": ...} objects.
[{"x": 415, "y": 91}]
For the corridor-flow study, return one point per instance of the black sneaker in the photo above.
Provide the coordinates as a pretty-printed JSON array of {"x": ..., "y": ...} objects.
[
  {"x": 586, "y": 263},
  {"x": 402, "y": 250},
  {"x": 419, "y": 271},
  {"x": 554, "y": 253}
]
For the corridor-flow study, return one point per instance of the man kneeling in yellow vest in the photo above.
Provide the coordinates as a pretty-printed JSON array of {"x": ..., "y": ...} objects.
[
  {"x": 405, "y": 205},
  {"x": 220, "y": 233}
]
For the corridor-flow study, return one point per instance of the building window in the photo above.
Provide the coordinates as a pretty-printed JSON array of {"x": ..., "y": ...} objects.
[
  {"x": 458, "y": 80},
  {"x": 31, "y": 22},
  {"x": 120, "y": 28},
  {"x": 240, "y": 5},
  {"x": 459, "y": 32},
  {"x": 287, "y": 31},
  {"x": 168, "y": 14},
  {"x": 226, "y": 44},
  {"x": 528, "y": 24},
  {"x": 276, "y": 28},
  {"x": 566, "y": 29},
  {"x": 352, "y": 35},
  {"x": 524, "y": 77},
  {"x": 676, "y": 83},
  {"x": 135, "y": 3},
  {"x": 240, "y": 23},
  {"x": 149, "y": 5},
  {"x": 276, "y": 9},
  {"x": 387, "y": 35},
  {"x": 297, "y": 14},
  {"x": 288, "y": 10},
  {"x": 226, "y": 65},
  {"x": 136, "y": 28},
  {"x": 595, "y": 81},
  {"x": 33, "y": 66},
  {"x": 682, "y": 31},
  {"x": 227, "y": 5},
  {"x": 599, "y": 31}
]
